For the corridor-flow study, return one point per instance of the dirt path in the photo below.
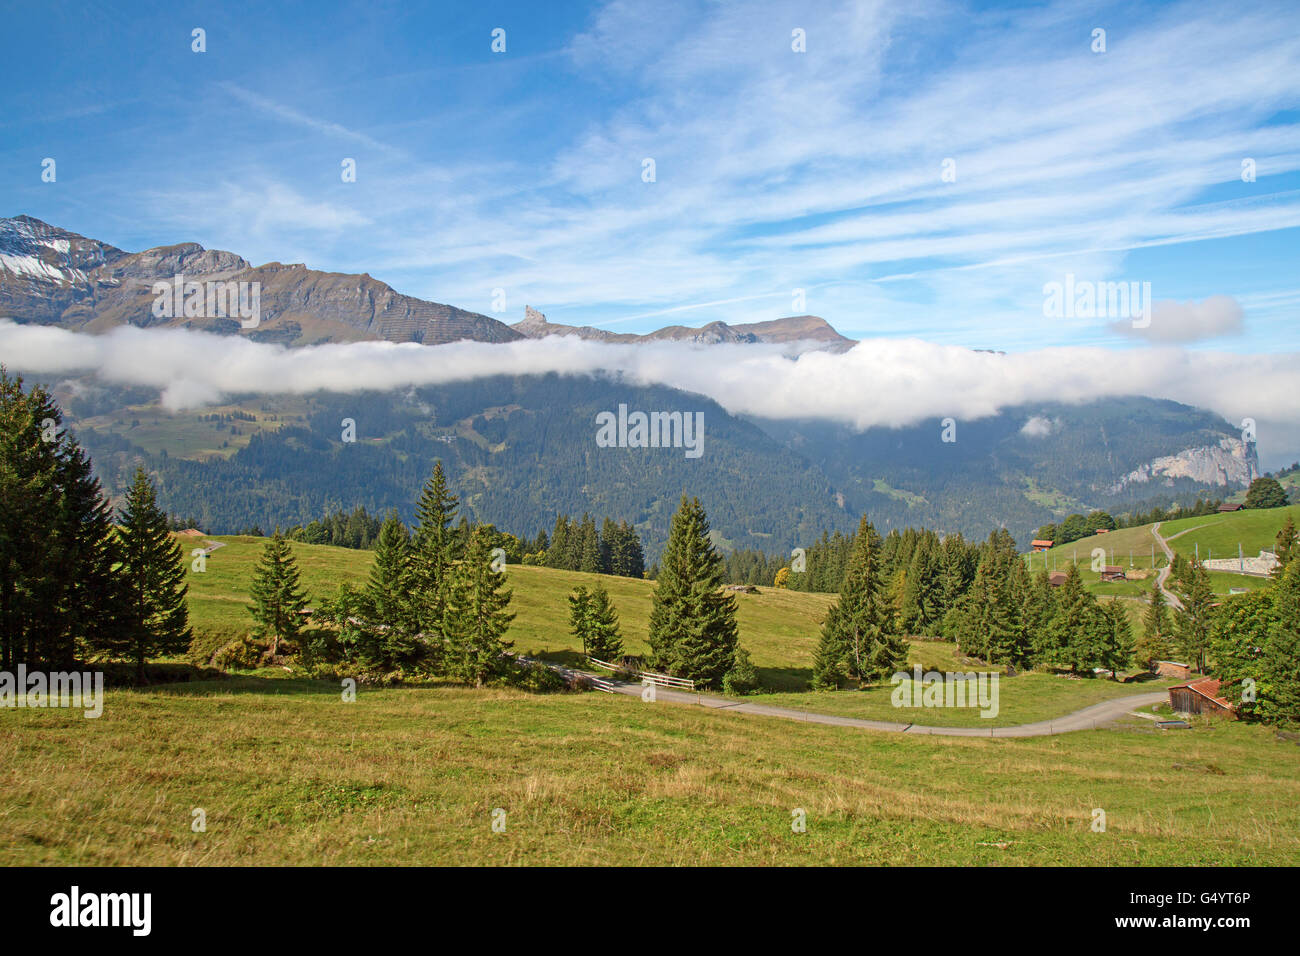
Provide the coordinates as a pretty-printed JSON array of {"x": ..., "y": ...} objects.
[
  {"x": 1170, "y": 597},
  {"x": 1089, "y": 718}
]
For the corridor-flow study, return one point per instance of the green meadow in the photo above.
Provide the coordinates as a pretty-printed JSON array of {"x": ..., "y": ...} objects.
[{"x": 287, "y": 773}]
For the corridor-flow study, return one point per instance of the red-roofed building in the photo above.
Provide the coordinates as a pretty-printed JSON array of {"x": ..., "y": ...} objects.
[
  {"x": 1200, "y": 697},
  {"x": 1040, "y": 545}
]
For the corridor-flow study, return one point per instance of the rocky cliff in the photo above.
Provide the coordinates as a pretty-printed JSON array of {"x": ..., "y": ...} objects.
[{"x": 1230, "y": 462}]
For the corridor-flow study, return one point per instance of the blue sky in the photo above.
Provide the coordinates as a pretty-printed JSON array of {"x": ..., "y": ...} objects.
[{"x": 775, "y": 170}]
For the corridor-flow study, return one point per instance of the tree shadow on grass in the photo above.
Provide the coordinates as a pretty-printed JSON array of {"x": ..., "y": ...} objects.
[
  {"x": 282, "y": 686},
  {"x": 784, "y": 679},
  {"x": 574, "y": 659}
]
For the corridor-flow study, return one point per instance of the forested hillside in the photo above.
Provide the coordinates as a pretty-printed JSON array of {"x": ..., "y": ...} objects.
[{"x": 520, "y": 451}]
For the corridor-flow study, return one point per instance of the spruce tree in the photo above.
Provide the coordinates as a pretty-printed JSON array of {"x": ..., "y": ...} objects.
[
  {"x": 1193, "y": 628},
  {"x": 922, "y": 595},
  {"x": 1285, "y": 546},
  {"x": 954, "y": 574},
  {"x": 1112, "y": 644},
  {"x": 693, "y": 621},
  {"x": 433, "y": 551},
  {"x": 589, "y": 547},
  {"x": 1040, "y": 609},
  {"x": 58, "y": 547},
  {"x": 391, "y": 577},
  {"x": 1073, "y": 626},
  {"x": 631, "y": 560},
  {"x": 580, "y": 619},
  {"x": 1280, "y": 677},
  {"x": 594, "y": 621},
  {"x": 1153, "y": 645},
  {"x": 277, "y": 597},
  {"x": 557, "y": 555},
  {"x": 155, "y": 620},
  {"x": 476, "y": 614},
  {"x": 859, "y": 634}
]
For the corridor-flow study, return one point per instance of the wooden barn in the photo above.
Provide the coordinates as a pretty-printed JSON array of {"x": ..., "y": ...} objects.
[
  {"x": 1223, "y": 509},
  {"x": 1057, "y": 578},
  {"x": 1040, "y": 544},
  {"x": 1200, "y": 697},
  {"x": 1174, "y": 669},
  {"x": 1112, "y": 572}
]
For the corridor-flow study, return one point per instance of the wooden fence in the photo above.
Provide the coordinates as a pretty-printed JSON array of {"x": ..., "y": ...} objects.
[{"x": 663, "y": 680}]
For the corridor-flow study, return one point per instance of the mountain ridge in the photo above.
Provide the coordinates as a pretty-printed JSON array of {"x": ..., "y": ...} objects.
[{"x": 52, "y": 276}]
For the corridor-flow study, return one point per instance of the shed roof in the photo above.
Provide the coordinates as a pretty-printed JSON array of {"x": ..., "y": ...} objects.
[{"x": 1207, "y": 687}]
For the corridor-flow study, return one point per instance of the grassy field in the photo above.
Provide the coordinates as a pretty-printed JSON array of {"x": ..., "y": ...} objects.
[
  {"x": 778, "y": 627},
  {"x": 218, "y": 596},
  {"x": 1217, "y": 535},
  {"x": 287, "y": 773}
]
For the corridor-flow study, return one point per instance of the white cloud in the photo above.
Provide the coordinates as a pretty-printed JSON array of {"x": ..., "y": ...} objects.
[
  {"x": 889, "y": 382},
  {"x": 1037, "y": 427},
  {"x": 1182, "y": 322}
]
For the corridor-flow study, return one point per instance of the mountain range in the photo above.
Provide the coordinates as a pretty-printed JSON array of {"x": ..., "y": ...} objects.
[
  {"x": 51, "y": 276},
  {"x": 520, "y": 450}
]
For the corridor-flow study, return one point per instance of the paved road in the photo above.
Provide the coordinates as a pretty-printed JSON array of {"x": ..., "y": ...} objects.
[
  {"x": 1087, "y": 719},
  {"x": 1170, "y": 597}
]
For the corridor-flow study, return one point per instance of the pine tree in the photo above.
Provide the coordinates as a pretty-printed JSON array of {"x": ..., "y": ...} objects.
[
  {"x": 1285, "y": 547},
  {"x": 557, "y": 555},
  {"x": 580, "y": 619},
  {"x": 58, "y": 548},
  {"x": 1039, "y": 611},
  {"x": 1072, "y": 628},
  {"x": 155, "y": 620},
  {"x": 631, "y": 562},
  {"x": 477, "y": 615},
  {"x": 589, "y": 546},
  {"x": 594, "y": 621},
  {"x": 922, "y": 596},
  {"x": 1112, "y": 645},
  {"x": 742, "y": 678},
  {"x": 277, "y": 597},
  {"x": 390, "y": 583},
  {"x": 433, "y": 551},
  {"x": 859, "y": 634},
  {"x": 955, "y": 573},
  {"x": 1153, "y": 645},
  {"x": 693, "y": 621},
  {"x": 1280, "y": 678},
  {"x": 1193, "y": 627}
]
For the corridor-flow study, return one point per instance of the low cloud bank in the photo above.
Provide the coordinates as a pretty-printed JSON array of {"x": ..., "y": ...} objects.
[
  {"x": 1183, "y": 322},
  {"x": 889, "y": 382}
]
